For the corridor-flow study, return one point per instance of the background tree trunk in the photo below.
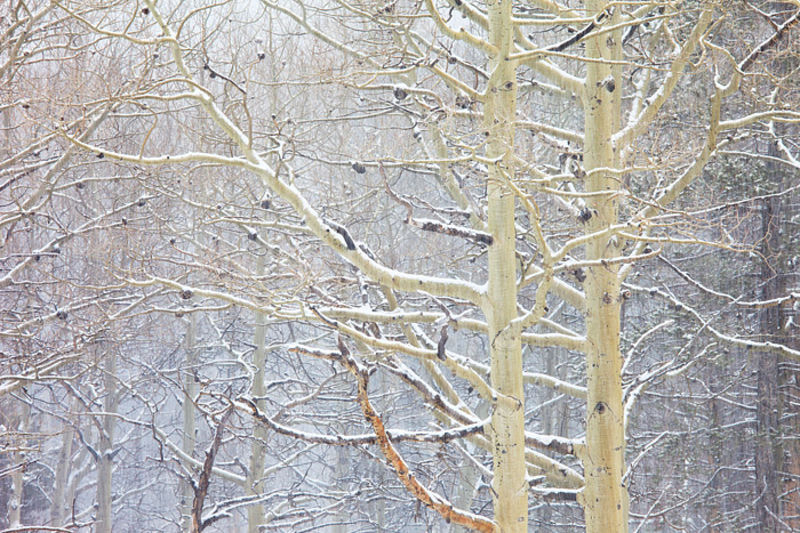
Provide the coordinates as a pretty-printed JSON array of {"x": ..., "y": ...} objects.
[
  {"x": 776, "y": 461},
  {"x": 190, "y": 389},
  {"x": 258, "y": 450},
  {"x": 105, "y": 448},
  {"x": 61, "y": 504}
]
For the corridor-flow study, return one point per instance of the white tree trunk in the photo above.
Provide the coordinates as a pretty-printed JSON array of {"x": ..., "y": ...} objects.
[
  {"x": 105, "y": 464},
  {"x": 509, "y": 486},
  {"x": 255, "y": 512},
  {"x": 189, "y": 423},
  {"x": 58, "y": 509},
  {"x": 605, "y": 499}
]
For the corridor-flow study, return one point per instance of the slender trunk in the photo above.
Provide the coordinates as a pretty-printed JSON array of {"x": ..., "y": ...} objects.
[
  {"x": 789, "y": 389},
  {"x": 468, "y": 479},
  {"x": 105, "y": 464},
  {"x": 769, "y": 451},
  {"x": 189, "y": 424},
  {"x": 605, "y": 498},
  {"x": 15, "y": 502},
  {"x": 75, "y": 479},
  {"x": 767, "y": 448},
  {"x": 59, "y": 507},
  {"x": 510, "y": 491},
  {"x": 714, "y": 453},
  {"x": 18, "y": 460},
  {"x": 255, "y": 512},
  {"x": 340, "y": 470}
]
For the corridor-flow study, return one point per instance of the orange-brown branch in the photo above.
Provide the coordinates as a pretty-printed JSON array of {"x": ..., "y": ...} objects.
[{"x": 429, "y": 498}]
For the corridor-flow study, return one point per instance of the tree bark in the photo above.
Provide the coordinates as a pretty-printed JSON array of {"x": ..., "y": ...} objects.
[
  {"x": 60, "y": 505},
  {"x": 510, "y": 491},
  {"x": 255, "y": 512},
  {"x": 769, "y": 452},
  {"x": 189, "y": 424},
  {"x": 105, "y": 462},
  {"x": 605, "y": 498},
  {"x": 18, "y": 463}
]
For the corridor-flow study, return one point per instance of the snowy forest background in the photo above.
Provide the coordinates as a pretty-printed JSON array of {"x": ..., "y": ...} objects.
[{"x": 247, "y": 282}]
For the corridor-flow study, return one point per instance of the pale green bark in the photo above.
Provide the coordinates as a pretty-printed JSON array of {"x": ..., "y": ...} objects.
[
  {"x": 509, "y": 486},
  {"x": 605, "y": 499}
]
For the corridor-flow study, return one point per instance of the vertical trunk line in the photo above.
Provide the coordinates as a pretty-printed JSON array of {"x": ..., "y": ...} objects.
[
  {"x": 59, "y": 507},
  {"x": 605, "y": 498},
  {"x": 770, "y": 446},
  {"x": 105, "y": 463},
  {"x": 510, "y": 490},
  {"x": 255, "y": 512},
  {"x": 189, "y": 424}
]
